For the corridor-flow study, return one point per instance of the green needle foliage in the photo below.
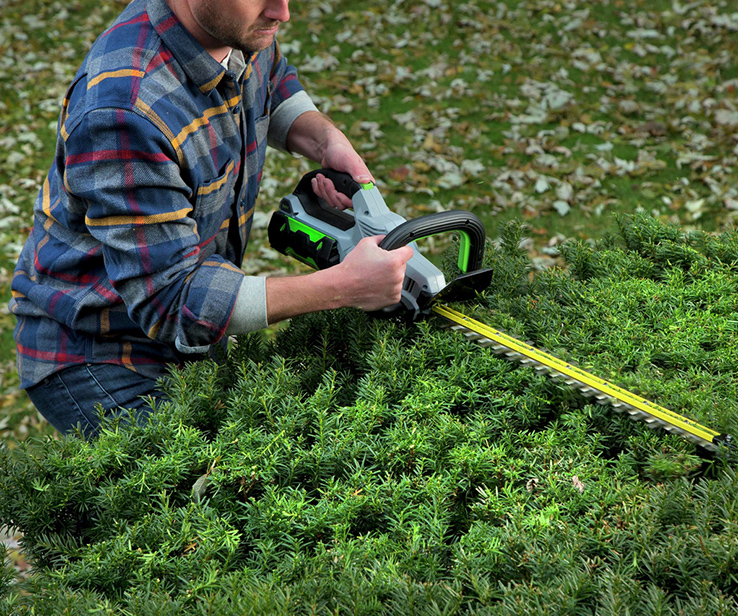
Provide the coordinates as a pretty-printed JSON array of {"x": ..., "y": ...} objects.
[{"x": 352, "y": 466}]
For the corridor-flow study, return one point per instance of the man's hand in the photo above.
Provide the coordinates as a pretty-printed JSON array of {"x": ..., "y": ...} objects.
[
  {"x": 341, "y": 156},
  {"x": 313, "y": 135},
  {"x": 369, "y": 278}
]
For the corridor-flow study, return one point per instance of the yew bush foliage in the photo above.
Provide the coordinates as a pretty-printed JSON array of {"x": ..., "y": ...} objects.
[{"x": 351, "y": 466}]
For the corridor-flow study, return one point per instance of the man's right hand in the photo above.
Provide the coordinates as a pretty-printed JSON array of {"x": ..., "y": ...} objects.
[
  {"x": 369, "y": 278},
  {"x": 373, "y": 276}
]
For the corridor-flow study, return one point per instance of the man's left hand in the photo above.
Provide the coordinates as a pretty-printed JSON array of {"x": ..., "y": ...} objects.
[
  {"x": 313, "y": 135},
  {"x": 340, "y": 156}
]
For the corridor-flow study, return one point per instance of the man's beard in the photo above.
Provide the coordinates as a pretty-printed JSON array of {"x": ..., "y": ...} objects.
[{"x": 248, "y": 42}]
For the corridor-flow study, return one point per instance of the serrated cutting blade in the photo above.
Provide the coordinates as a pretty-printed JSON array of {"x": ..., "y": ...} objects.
[{"x": 604, "y": 392}]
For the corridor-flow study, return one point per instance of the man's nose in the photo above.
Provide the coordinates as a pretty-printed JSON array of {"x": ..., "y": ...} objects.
[{"x": 278, "y": 10}]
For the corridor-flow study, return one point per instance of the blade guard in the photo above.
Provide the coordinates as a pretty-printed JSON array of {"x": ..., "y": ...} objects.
[{"x": 307, "y": 228}]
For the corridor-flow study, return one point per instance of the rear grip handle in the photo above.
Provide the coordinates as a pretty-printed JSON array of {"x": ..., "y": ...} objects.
[
  {"x": 471, "y": 252},
  {"x": 343, "y": 182}
]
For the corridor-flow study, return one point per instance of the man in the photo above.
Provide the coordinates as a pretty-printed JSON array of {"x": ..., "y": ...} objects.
[{"x": 140, "y": 226}]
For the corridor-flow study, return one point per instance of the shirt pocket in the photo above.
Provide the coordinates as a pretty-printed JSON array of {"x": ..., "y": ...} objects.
[{"x": 214, "y": 205}]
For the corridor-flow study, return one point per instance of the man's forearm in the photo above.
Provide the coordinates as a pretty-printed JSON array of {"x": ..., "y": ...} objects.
[
  {"x": 310, "y": 135},
  {"x": 295, "y": 295},
  {"x": 264, "y": 301}
]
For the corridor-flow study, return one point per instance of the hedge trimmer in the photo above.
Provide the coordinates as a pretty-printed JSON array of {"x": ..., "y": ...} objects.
[{"x": 306, "y": 228}]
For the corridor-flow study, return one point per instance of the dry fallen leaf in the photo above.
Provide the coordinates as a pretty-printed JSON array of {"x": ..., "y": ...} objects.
[{"x": 577, "y": 484}]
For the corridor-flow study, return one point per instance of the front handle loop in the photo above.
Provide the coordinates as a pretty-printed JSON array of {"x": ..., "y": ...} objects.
[{"x": 470, "y": 227}]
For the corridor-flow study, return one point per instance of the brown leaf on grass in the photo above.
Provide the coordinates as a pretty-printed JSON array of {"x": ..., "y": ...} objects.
[
  {"x": 655, "y": 129},
  {"x": 399, "y": 174}
]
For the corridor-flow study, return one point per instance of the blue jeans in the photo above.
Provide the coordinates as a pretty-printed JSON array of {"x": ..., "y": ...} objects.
[{"x": 69, "y": 398}]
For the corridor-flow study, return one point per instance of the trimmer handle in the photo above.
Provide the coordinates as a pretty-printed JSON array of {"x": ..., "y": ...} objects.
[
  {"x": 468, "y": 225},
  {"x": 319, "y": 209}
]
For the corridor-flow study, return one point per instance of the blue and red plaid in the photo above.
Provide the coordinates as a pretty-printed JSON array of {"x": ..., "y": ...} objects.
[{"x": 141, "y": 224}]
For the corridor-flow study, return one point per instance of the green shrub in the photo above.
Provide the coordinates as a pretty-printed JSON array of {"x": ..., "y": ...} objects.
[{"x": 352, "y": 466}]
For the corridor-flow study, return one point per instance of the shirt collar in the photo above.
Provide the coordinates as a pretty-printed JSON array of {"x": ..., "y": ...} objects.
[
  {"x": 204, "y": 70},
  {"x": 237, "y": 65}
]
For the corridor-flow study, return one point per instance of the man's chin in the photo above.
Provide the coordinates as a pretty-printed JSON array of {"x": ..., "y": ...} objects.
[
  {"x": 258, "y": 40},
  {"x": 255, "y": 45}
]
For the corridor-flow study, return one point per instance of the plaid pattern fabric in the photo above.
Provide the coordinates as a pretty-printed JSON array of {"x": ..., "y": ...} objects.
[{"x": 141, "y": 224}]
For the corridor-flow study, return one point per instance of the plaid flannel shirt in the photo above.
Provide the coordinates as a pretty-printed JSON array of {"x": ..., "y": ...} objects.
[{"x": 141, "y": 224}]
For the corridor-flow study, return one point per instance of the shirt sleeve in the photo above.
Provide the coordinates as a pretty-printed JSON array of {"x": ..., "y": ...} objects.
[
  {"x": 250, "y": 311},
  {"x": 140, "y": 210},
  {"x": 289, "y": 100}
]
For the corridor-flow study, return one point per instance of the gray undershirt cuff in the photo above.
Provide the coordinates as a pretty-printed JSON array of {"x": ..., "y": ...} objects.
[
  {"x": 250, "y": 310},
  {"x": 283, "y": 117}
]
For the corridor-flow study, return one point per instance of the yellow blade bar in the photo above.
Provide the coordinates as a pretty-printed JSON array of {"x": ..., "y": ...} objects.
[{"x": 662, "y": 414}]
